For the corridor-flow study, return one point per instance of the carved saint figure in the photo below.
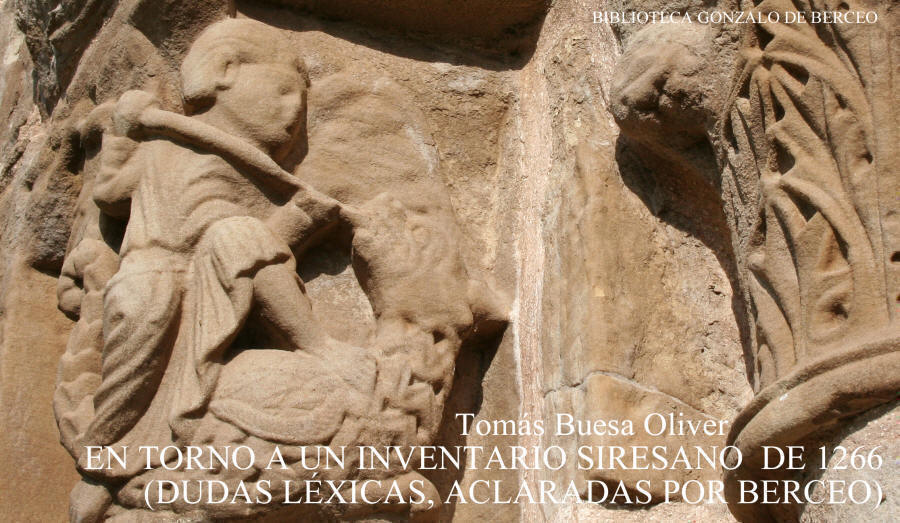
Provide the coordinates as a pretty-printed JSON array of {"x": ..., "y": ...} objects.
[
  {"x": 192, "y": 212},
  {"x": 208, "y": 337},
  {"x": 193, "y": 216}
]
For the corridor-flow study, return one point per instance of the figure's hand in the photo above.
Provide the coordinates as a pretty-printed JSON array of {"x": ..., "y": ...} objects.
[
  {"x": 120, "y": 118},
  {"x": 321, "y": 208},
  {"x": 306, "y": 214},
  {"x": 129, "y": 111},
  {"x": 86, "y": 269},
  {"x": 97, "y": 123}
]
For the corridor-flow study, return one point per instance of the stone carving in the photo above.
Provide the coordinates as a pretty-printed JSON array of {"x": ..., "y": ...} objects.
[
  {"x": 810, "y": 120},
  {"x": 661, "y": 96},
  {"x": 616, "y": 241},
  {"x": 805, "y": 147},
  {"x": 193, "y": 326}
]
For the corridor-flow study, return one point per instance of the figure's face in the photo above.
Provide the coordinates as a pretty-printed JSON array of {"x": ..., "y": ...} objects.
[{"x": 264, "y": 103}]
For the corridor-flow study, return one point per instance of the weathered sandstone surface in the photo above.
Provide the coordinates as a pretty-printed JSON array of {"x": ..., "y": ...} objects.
[{"x": 347, "y": 222}]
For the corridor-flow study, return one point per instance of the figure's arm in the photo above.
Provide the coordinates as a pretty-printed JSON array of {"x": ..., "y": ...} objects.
[
  {"x": 117, "y": 176},
  {"x": 137, "y": 113}
]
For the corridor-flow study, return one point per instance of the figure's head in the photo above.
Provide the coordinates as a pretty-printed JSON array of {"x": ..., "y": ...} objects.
[{"x": 246, "y": 73}]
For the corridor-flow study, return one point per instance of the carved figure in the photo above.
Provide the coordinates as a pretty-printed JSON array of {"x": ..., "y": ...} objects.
[
  {"x": 196, "y": 213},
  {"x": 208, "y": 256}
]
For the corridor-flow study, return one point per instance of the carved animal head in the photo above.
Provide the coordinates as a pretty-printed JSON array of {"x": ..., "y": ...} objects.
[{"x": 658, "y": 93}]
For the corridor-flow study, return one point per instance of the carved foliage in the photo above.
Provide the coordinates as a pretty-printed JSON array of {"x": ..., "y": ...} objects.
[{"x": 803, "y": 122}]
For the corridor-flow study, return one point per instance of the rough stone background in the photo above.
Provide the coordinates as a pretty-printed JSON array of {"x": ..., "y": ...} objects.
[
  {"x": 875, "y": 429},
  {"x": 623, "y": 289}
]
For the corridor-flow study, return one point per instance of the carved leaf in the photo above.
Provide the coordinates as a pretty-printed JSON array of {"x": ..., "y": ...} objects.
[{"x": 802, "y": 124}]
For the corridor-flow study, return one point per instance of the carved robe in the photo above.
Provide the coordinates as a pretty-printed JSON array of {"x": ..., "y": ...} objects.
[{"x": 195, "y": 233}]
